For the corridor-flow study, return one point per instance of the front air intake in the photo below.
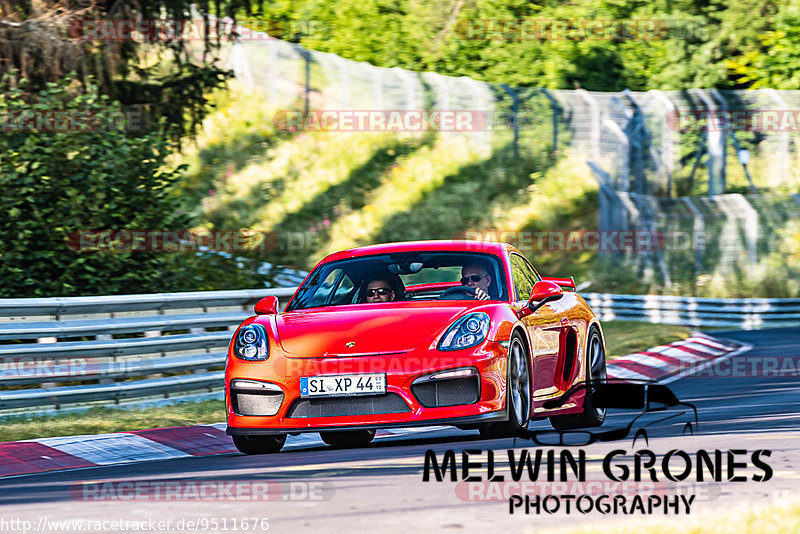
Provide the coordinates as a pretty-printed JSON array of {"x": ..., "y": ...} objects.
[
  {"x": 339, "y": 406},
  {"x": 447, "y": 392},
  {"x": 256, "y": 404}
]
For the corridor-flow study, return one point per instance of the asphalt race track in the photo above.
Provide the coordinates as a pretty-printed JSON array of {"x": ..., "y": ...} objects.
[{"x": 742, "y": 403}]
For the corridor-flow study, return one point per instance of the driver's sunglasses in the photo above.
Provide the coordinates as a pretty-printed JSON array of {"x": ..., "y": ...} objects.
[
  {"x": 474, "y": 277},
  {"x": 378, "y": 291}
]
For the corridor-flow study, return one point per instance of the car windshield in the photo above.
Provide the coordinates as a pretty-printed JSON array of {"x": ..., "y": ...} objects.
[{"x": 409, "y": 276}]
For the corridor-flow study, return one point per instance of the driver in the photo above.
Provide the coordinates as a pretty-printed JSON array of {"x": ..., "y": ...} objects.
[
  {"x": 379, "y": 290},
  {"x": 477, "y": 277}
]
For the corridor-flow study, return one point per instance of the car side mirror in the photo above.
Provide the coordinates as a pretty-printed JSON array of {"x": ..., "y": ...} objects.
[
  {"x": 542, "y": 293},
  {"x": 267, "y": 306}
]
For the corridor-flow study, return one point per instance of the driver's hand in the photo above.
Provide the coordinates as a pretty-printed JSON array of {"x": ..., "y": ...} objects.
[{"x": 480, "y": 294}]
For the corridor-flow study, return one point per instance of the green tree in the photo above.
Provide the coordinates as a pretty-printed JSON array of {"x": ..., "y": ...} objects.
[
  {"x": 55, "y": 181},
  {"x": 773, "y": 59},
  {"x": 695, "y": 43}
]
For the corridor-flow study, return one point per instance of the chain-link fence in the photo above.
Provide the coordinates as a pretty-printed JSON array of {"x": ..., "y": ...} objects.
[
  {"x": 664, "y": 143},
  {"x": 306, "y": 80},
  {"x": 663, "y": 159}
]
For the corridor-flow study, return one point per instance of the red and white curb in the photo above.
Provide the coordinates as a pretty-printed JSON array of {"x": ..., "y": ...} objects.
[
  {"x": 670, "y": 362},
  {"x": 71, "y": 452}
]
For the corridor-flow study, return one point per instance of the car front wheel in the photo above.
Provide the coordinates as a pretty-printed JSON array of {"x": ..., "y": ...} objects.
[
  {"x": 518, "y": 393},
  {"x": 259, "y": 444}
]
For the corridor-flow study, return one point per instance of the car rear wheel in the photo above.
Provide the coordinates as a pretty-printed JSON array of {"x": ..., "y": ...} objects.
[
  {"x": 518, "y": 393},
  {"x": 259, "y": 444},
  {"x": 348, "y": 438},
  {"x": 595, "y": 374}
]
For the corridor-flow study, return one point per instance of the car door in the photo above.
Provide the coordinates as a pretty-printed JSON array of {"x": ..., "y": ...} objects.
[{"x": 543, "y": 326}]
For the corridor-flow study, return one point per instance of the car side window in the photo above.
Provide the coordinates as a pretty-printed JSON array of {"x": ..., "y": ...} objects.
[
  {"x": 344, "y": 292},
  {"x": 524, "y": 276},
  {"x": 335, "y": 286}
]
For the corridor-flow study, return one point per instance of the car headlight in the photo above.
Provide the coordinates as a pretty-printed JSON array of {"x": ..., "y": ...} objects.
[
  {"x": 467, "y": 332},
  {"x": 251, "y": 343}
]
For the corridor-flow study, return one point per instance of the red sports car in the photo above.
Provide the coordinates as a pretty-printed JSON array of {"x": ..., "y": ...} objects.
[{"x": 461, "y": 333}]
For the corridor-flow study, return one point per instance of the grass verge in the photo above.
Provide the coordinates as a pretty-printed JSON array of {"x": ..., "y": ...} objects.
[
  {"x": 627, "y": 337},
  {"x": 104, "y": 420}
]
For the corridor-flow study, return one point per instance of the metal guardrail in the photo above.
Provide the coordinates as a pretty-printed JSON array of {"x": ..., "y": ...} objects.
[
  {"x": 745, "y": 314},
  {"x": 75, "y": 351},
  {"x": 115, "y": 349}
]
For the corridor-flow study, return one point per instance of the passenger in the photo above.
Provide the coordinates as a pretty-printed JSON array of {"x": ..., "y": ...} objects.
[
  {"x": 378, "y": 289},
  {"x": 476, "y": 276}
]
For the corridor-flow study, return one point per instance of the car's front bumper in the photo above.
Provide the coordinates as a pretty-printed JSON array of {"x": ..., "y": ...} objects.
[
  {"x": 489, "y": 358},
  {"x": 490, "y": 417}
]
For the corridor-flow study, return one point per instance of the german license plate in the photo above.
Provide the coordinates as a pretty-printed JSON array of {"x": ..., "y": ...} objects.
[{"x": 342, "y": 385}]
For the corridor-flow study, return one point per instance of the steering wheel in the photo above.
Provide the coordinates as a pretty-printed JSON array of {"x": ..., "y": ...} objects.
[{"x": 458, "y": 293}]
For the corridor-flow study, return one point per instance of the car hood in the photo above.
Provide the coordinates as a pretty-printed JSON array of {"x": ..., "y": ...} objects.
[{"x": 390, "y": 327}]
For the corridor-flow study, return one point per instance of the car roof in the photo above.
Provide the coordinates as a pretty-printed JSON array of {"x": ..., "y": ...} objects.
[{"x": 442, "y": 245}]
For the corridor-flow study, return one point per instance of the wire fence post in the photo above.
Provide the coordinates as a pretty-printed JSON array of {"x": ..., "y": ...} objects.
[
  {"x": 699, "y": 236},
  {"x": 555, "y": 111},
  {"x": 485, "y": 102},
  {"x": 514, "y": 116},
  {"x": 377, "y": 81},
  {"x": 344, "y": 82},
  {"x": 639, "y": 139},
  {"x": 783, "y": 139},
  {"x": 623, "y": 154},
  {"x": 307, "y": 77},
  {"x": 715, "y": 147},
  {"x": 272, "y": 79},
  {"x": 667, "y": 159},
  {"x": 408, "y": 80},
  {"x": 594, "y": 112}
]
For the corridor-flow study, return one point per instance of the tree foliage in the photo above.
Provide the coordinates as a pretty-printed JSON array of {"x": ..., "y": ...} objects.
[
  {"x": 56, "y": 183},
  {"x": 674, "y": 44},
  {"x": 42, "y": 40}
]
